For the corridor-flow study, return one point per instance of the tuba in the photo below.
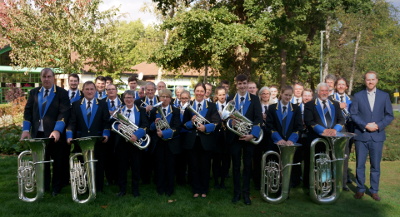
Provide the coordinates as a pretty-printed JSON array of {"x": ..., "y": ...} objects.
[
  {"x": 326, "y": 168},
  {"x": 275, "y": 173},
  {"x": 82, "y": 174},
  {"x": 243, "y": 125},
  {"x": 31, "y": 173},
  {"x": 161, "y": 124},
  {"x": 199, "y": 118},
  {"x": 127, "y": 128}
]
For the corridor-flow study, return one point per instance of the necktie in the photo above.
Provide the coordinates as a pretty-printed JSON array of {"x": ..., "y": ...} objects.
[
  {"x": 165, "y": 111},
  {"x": 297, "y": 101},
  {"x": 265, "y": 109},
  {"x": 112, "y": 104},
  {"x": 222, "y": 107},
  {"x": 129, "y": 113},
  {"x": 341, "y": 99},
  {"x": 100, "y": 95},
  {"x": 198, "y": 107},
  {"x": 327, "y": 115},
  {"x": 151, "y": 102},
  {"x": 88, "y": 111},
  {"x": 46, "y": 93},
  {"x": 284, "y": 121},
  {"x": 241, "y": 104},
  {"x": 72, "y": 95}
]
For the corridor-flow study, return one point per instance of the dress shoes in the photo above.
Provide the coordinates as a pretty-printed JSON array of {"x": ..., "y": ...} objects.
[
  {"x": 236, "y": 198},
  {"x": 375, "y": 196},
  {"x": 121, "y": 194},
  {"x": 246, "y": 199},
  {"x": 359, "y": 195}
]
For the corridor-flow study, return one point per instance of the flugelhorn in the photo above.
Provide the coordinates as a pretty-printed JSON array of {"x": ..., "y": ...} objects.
[
  {"x": 82, "y": 174},
  {"x": 199, "y": 118},
  {"x": 276, "y": 169},
  {"x": 326, "y": 167},
  {"x": 127, "y": 128},
  {"x": 242, "y": 126},
  {"x": 161, "y": 124},
  {"x": 31, "y": 172}
]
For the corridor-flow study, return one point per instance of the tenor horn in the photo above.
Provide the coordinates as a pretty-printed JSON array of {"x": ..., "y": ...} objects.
[
  {"x": 242, "y": 126},
  {"x": 127, "y": 128},
  {"x": 161, "y": 124},
  {"x": 82, "y": 174},
  {"x": 276, "y": 169},
  {"x": 199, "y": 118},
  {"x": 31, "y": 172},
  {"x": 326, "y": 167}
]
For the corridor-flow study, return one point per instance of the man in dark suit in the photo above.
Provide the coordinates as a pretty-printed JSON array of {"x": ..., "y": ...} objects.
[
  {"x": 322, "y": 117},
  {"x": 249, "y": 106},
  {"x": 45, "y": 115},
  {"x": 74, "y": 93},
  {"x": 371, "y": 112},
  {"x": 100, "y": 83},
  {"x": 90, "y": 117}
]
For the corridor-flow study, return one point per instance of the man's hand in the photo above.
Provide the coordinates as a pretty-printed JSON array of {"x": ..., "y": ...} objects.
[
  {"x": 69, "y": 140},
  {"x": 56, "y": 135},
  {"x": 159, "y": 133},
  {"x": 24, "y": 135},
  {"x": 343, "y": 105},
  {"x": 329, "y": 132},
  {"x": 372, "y": 127},
  {"x": 133, "y": 138},
  {"x": 281, "y": 142},
  {"x": 201, "y": 128},
  {"x": 105, "y": 139},
  {"x": 149, "y": 108},
  {"x": 246, "y": 137}
]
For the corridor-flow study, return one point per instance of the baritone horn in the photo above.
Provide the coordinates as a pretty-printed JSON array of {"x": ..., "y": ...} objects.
[
  {"x": 276, "y": 169},
  {"x": 242, "y": 126},
  {"x": 82, "y": 174},
  {"x": 127, "y": 128},
  {"x": 326, "y": 167},
  {"x": 31, "y": 172}
]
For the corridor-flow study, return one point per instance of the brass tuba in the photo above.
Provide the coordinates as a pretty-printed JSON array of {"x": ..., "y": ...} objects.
[
  {"x": 127, "y": 128},
  {"x": 31, "y": 173},
  {"x": 199, "y": 118},
  {"x": 275, "y": 173},
  {"x": 326, "y": 168},
  {"x": 161, "y": 124},
  {"x": 82, "y": 174},
  {"x": 242, "y": 125}
]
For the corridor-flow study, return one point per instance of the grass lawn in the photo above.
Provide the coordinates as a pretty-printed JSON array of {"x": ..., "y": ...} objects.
[{"x": 216, "y": 204}]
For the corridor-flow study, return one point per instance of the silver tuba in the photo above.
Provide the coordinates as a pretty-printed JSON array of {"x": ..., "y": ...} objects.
[
  {"x": 31, "y": 172},
  {"x": 243, "y": 125},
  {"x": 275, "y": 173},
  {"x": 161, "y": 124},
  {"x": 326, "y": 168},
  {"x": 127, "y": 128},
  {"x": 82, "y": 174},
  {"x": 199, "y": 118}
]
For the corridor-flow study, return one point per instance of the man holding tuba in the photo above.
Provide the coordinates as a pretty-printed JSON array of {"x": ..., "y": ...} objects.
[
  {"x": 46, "y": 113},
  {"x": 90, "y": 117},
  {"x": 249, "y": 106}
]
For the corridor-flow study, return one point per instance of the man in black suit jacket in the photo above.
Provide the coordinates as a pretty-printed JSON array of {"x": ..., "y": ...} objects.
[
  {"x": 46, "y": 113},
  {"x": 248, "y": 105},
  {"x": 90, "y": 117}
]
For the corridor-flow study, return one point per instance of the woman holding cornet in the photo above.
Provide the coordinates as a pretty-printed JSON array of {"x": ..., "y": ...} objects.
[
  {"x": 165, "y": 121},
  {"x": 200, "y": 119}
]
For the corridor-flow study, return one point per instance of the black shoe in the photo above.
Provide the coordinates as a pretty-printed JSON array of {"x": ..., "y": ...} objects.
[
  {"x": 236, "y": 198},
  {"x": 246, "y": 199},
  {"x": 121, "y": 194}
]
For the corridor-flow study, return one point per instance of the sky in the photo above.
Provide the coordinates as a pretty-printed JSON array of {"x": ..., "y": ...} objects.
[{"x": 131, "y": 9}]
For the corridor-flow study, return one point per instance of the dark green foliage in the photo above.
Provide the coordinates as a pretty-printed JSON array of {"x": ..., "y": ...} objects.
[{"x": 9, "y": 140}]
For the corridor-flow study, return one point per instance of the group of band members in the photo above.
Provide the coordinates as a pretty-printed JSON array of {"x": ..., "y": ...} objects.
[{"x": 188, "y": 137}]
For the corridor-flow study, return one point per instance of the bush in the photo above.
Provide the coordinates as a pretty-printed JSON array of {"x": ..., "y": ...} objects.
[{"x": 9, "y": 140}]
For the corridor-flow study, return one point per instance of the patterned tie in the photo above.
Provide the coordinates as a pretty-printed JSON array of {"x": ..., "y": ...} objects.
[
  {"x": 151, "y": 102},
  {"x": 265, "y": 109},
  {"x": 46, "y": 93},
  {"x": 100, "y": 95},
  {"x": 297, "y": 101},
  {"x": 165, "y": 111},
  {"x": 72, "y": 95},
  {"x": 112, "y": 104},
  {"x": 199, "y": 107},
  {"x": 284, "y": 114},
  {"x": 88, "y": 111},
  {"x": 327, "y": 115},
  {"x": 341, "y": 98},
  {"x": 241, "y": 105},
  {"x": 129, "y": 113}
]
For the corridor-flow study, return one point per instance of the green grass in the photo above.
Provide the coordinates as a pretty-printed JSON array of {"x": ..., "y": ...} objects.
[{"x": 216, "y": 204}]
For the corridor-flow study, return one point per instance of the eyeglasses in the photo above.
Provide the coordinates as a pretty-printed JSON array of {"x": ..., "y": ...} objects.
[
  {"x": 184, "y": 98},
  {"x": 111, "y": 89},
  {"x": 165, "y": 97}
]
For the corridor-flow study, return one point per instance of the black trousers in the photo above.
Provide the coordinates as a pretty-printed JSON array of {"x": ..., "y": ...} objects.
[
  {"x": 238, "y": 148},
  {"x": 111, "y": 160},
  {"x": 200, "y": 161},
  {"x": 164, "y": 168},
  {"x": 259, "y": 151}
]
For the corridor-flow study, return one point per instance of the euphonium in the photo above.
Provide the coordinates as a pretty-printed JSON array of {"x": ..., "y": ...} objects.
[
  {"x": 127, "y": 128},
  {"x": 161, "y": 124},
  {"x": 199, "y": 118},
  {"x": 326, "y": 168},
  {"x": 275, "y": 173},
  {"x": 82, "y": 174},
  {"x": 31, "y": 173},
  {"x": 242, "y": 126}
]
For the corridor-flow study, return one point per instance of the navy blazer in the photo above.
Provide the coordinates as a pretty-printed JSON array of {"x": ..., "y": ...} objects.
[{"x": 361, "y": 114}]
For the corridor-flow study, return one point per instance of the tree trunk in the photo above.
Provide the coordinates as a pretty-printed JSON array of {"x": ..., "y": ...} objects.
[
  {"x": 353, "y": 65},
  {"x": 283, "y": 68},
  {"x": 327, "y": 46},
  {"x": 205, "y": 73},
  {"x": 242, "y": 61}
]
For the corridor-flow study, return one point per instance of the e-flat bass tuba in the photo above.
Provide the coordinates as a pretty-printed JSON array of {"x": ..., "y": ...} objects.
[
  {"x": 31, "y": 172},
  {"x": 242, "y": 126},
  {"x": 82, "y": 174},
  {"x": 326, "y": 167},
  {"x": 275, "y": 173},
  {"x": 127, "y": 128}
]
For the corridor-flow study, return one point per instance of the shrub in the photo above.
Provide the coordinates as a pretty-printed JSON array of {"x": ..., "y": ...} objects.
[{"x": 9, "y": 140}]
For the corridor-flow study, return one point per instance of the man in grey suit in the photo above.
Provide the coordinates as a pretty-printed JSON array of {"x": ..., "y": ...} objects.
[{"x": 371, "y": 112}]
